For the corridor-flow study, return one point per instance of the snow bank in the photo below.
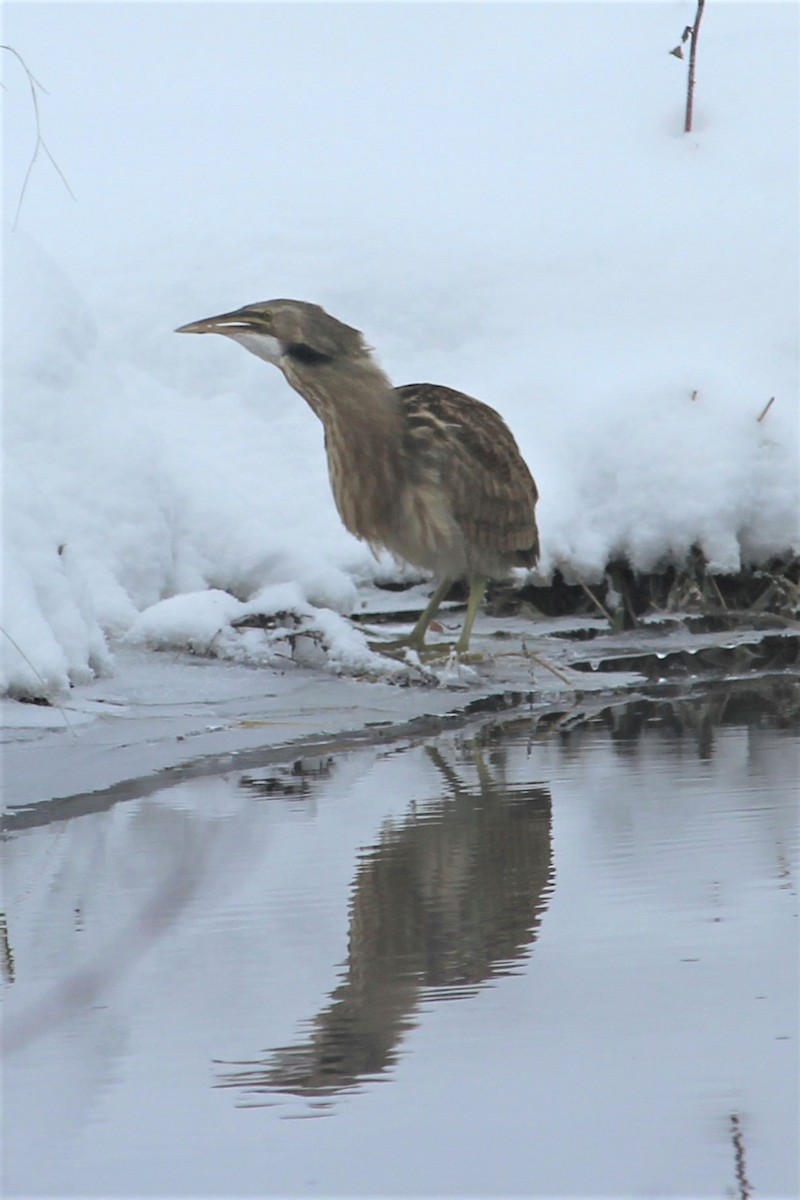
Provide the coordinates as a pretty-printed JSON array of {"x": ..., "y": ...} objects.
[
  {"x": 120, "y": 491},
  {"x": 624, "y": 295},
  {"x": 276, "y": 628}
]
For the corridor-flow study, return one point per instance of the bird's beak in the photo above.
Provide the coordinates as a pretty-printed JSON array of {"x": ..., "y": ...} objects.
[{"x": 228, "y": 323}]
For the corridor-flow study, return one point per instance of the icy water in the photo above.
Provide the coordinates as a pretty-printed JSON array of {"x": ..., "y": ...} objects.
[{"x": 542, "y": 961}]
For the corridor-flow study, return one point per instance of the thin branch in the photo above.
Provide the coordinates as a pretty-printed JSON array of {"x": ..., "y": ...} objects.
[
  {"x": 716, "y": 588},
  {"x": 595, "y": 600},
  {"x": 548, "y": 666},
  {"x": 766, "y": 409},
  {"x": 40, "y": 143},
  {"x": 41, "y": 679},
  {"x": 687, "y": 125}
]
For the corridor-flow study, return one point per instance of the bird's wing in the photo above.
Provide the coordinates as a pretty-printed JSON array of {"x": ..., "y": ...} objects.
[{"x": 471, "y": 452}]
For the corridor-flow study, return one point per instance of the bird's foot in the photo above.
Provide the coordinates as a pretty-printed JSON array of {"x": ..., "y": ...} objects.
[
  {"x": 470, "y": 656},
  {"x": 394, "y": 646},
  {"x": 431, "y": 653}
]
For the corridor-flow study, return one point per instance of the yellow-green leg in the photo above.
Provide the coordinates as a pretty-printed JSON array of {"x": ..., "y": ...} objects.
[
  {"x": 476, "y": 589},
  {"x": 416, "y": 639}
]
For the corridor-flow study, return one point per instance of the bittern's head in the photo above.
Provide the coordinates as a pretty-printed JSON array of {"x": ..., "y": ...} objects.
[{"x": 279, "y": 329}]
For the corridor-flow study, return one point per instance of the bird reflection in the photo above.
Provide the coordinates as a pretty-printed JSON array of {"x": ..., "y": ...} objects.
[{"x": 449, "y": 897}]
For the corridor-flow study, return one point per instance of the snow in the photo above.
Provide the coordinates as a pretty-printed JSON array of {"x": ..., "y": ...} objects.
[
  {"x": 499, "y": 196},
  {"x": 276, "y": 626}
]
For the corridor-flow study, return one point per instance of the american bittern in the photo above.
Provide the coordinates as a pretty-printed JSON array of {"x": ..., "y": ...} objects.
[{"x": 423, "y": 471}]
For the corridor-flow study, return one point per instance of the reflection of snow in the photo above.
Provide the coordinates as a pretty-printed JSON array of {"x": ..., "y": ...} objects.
[{"x": 222, "y": 913}]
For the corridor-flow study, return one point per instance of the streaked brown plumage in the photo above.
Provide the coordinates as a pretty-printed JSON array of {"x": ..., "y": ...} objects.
[{"x": 428, "y": 473}]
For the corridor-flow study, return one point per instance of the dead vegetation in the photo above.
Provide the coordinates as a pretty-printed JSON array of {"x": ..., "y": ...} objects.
[
  {"x": 766, "y": 598},
  {"x": 690, "y": 35}
]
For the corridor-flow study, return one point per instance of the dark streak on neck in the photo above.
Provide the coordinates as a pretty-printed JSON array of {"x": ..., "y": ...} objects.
[{"x": 300, "y": 352}]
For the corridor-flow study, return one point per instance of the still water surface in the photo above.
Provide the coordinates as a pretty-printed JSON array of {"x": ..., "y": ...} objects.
[{"x": 537, "y": 961}]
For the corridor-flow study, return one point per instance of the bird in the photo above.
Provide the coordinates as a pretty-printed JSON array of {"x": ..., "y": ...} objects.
[{"x": 424, "y": 471}]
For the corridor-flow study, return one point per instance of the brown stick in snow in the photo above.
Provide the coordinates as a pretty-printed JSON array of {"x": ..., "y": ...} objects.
[{"x": 687, "y": 125}]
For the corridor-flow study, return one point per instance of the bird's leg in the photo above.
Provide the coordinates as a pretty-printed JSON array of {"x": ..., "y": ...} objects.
[
  {"x": 477, "y": 587},
  {"x": 416, "y": 639}
]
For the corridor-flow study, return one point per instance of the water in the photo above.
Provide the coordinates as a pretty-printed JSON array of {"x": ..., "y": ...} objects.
[{"x": 553, "y": 961}]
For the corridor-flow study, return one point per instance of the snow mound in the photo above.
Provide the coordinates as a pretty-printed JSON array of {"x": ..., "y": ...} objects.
[
  {"x": 119, "y": 492},
  {"x": 277, "y": 628}
]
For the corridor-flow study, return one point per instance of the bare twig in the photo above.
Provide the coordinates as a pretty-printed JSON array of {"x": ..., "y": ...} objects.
[
  {"x": 716, "y": 588},
  {"x": 595, "y": 600},
  {"x": 687, "y": 124},
  {"x": 38, "y": 674},
  {"x": 766, "y": 409},
  {"x": 40, "y": 143},
  {"x": 677, "y": 51},
  {"x": 548, "y": 666}
]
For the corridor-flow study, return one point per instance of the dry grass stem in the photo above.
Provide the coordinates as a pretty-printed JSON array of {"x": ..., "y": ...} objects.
[
  {"x": 595, "y": 601},
  {"x": 542, "y": 662},
  {"x": 38, "y": 675},
  {"x": 720, "y": 596},
  {"x": 40, "y": 143}
]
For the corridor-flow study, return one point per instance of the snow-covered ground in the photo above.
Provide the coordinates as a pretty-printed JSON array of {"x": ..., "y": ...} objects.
[{"x": 500, "y": 196}]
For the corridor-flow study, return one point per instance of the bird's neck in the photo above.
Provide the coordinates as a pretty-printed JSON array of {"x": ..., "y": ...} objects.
[
  {"x": 363, "y": 422},
  {"x": 355, "y": 392}
]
